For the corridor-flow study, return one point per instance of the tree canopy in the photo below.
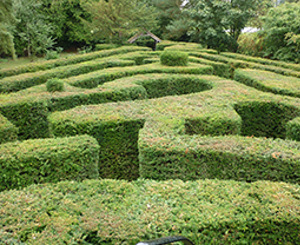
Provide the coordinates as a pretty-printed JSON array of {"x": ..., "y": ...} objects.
[{"x": 7, "y": 19}]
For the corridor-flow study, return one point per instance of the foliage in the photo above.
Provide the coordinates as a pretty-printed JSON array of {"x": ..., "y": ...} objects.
[
  {"x": 115, "y": 212},
  {"x": 250, "y": 44},
  {"x": 171, "y": 23},
  {"x": 32, "y": 33},
  {"x": 66, "y": 18},
  {"x": 55, "y": 85},
  {"x": 49, "y": 64},
  {"x": 174, "y": 58},
  {"x": 211, "y": 19},
  {"x": 7, "y": 19},
  {"x": 115, "y": 20},
  {"x": 53, "y": 54},
  {"x": 8, "y": 131},
  {"x": 281, "y": 30},
  {"x": 48, "y": 160}
]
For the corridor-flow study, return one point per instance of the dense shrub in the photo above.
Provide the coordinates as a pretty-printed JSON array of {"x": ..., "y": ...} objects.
[
  {"x": 269, "y": 81},
  {"x": 49, "y": 64},
  {"x": 55, "y": 85},
  {"x": 118, "y": 212},
  {"x": 281, "y": 32},
  {"x": 174, "y": 58},
  {"x": 48, "y": 160},
  {"x": 250, "y": 44},
  {"x": 23, "y": 81},
  {"x": 8, "y": 132}
]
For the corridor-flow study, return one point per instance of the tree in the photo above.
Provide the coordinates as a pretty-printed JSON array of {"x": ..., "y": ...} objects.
[
  {"x": 261, "y": 10},
  {"x": 281, "y": 32},
  {"x": 66, "y": 18},
  {"x": 7, "y": 19},
  {"x": 32, "y": 33},
  {"x": 218, "y": 24},
  {"x": 115, "y": 19}
]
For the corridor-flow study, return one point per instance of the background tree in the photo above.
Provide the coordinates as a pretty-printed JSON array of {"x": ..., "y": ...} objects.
[
  {"x": 115, "y": 20},
  {"x": 32, "y": 32},
  {"x": 7, "y": 19},
  {"x": 281, "y": 32},
  {"x": 218, "y": 24},
  {"x": 66, "y": 18}
]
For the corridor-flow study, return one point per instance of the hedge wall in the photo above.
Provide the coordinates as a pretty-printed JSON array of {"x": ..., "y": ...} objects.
[
  {"x": 8, "y": 132},
  {"x": 49, "y": 64},
  {"x": 118, "y": 127},
  {"x": 118, "y": 212},
  {"x": 269, "y": 81},
  {"x": 291, "y": 66},
  {"x": 224, "y": 108},
  {"x": 93, "y": 79},
  {"x": 220, "y": 69},
  {"x": 236, "y": 63},
  {"x": 117, "y": 139},
  {"x": 29, "y": 115},
  {"x": 16, "y": 83},
  {"x": 48, "y": 160}
]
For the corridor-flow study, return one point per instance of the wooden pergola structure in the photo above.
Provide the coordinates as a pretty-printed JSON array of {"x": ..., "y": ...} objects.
[{"x": 145, "y": 34}]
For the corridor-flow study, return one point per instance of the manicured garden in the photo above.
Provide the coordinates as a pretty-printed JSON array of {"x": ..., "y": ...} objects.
[{"x": 122, "y": 145}]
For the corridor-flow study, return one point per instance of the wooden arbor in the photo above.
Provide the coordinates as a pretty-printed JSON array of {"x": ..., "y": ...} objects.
[{"x": 145, "y": 34}]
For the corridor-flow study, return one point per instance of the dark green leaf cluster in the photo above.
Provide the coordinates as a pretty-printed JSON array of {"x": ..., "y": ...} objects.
[{"x": 281, "y": 33}]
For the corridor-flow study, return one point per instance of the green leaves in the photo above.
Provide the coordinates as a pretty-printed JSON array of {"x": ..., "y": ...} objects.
[
  {"x": 280, "y": 30},
  {"x": 218, "y": 24}
]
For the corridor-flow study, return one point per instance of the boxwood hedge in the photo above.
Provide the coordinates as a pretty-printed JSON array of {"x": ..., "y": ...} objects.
[
  {"x": 69, "y": 60},
  {"x": 119, "y": 212},
  {"x": 222, "y": 110},
  {"x": 48, "y": 160},
  {"x": 8, "y": 131}
]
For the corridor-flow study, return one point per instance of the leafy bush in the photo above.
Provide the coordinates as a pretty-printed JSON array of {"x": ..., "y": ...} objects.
[
  {"x": 174, "y": 58},
  {"x": 53, "y": 54},
  {"x": 250, "y": 44},
  {"x": 55, "y": 85},
  {"x": 281, "y": 24}
]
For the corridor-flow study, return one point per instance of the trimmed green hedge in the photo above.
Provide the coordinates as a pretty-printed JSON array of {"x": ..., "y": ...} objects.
[
  {"x": 55, "y": 85},
  {"x": 220, "y": 69},
  {"x": 269, "y": 81},
  {"x": 118, "y": 212},
  {"x": 174, "y": 58},
  {"x": 29, "y": 115},
  {"x": 105, "y": 46},
  {"x": 295, "y": 67},
  {"x": 93, "y": 79},
  {"x": 8, "y": 132},
  {"x": 48, "y": 160},
  {"x": 220, "y": 157},
  {"x": 236, "y": 63},
  {"x": 50, "y": 64},
  {"x": 171, "y": 128},
  {"x": 117, "y": 139},
  {"x": 22, "y": 81},
  {"x": 118, "y": 136}
]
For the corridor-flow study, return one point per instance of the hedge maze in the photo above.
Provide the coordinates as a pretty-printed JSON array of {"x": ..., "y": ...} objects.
[{"x": 129, "y": 144}]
